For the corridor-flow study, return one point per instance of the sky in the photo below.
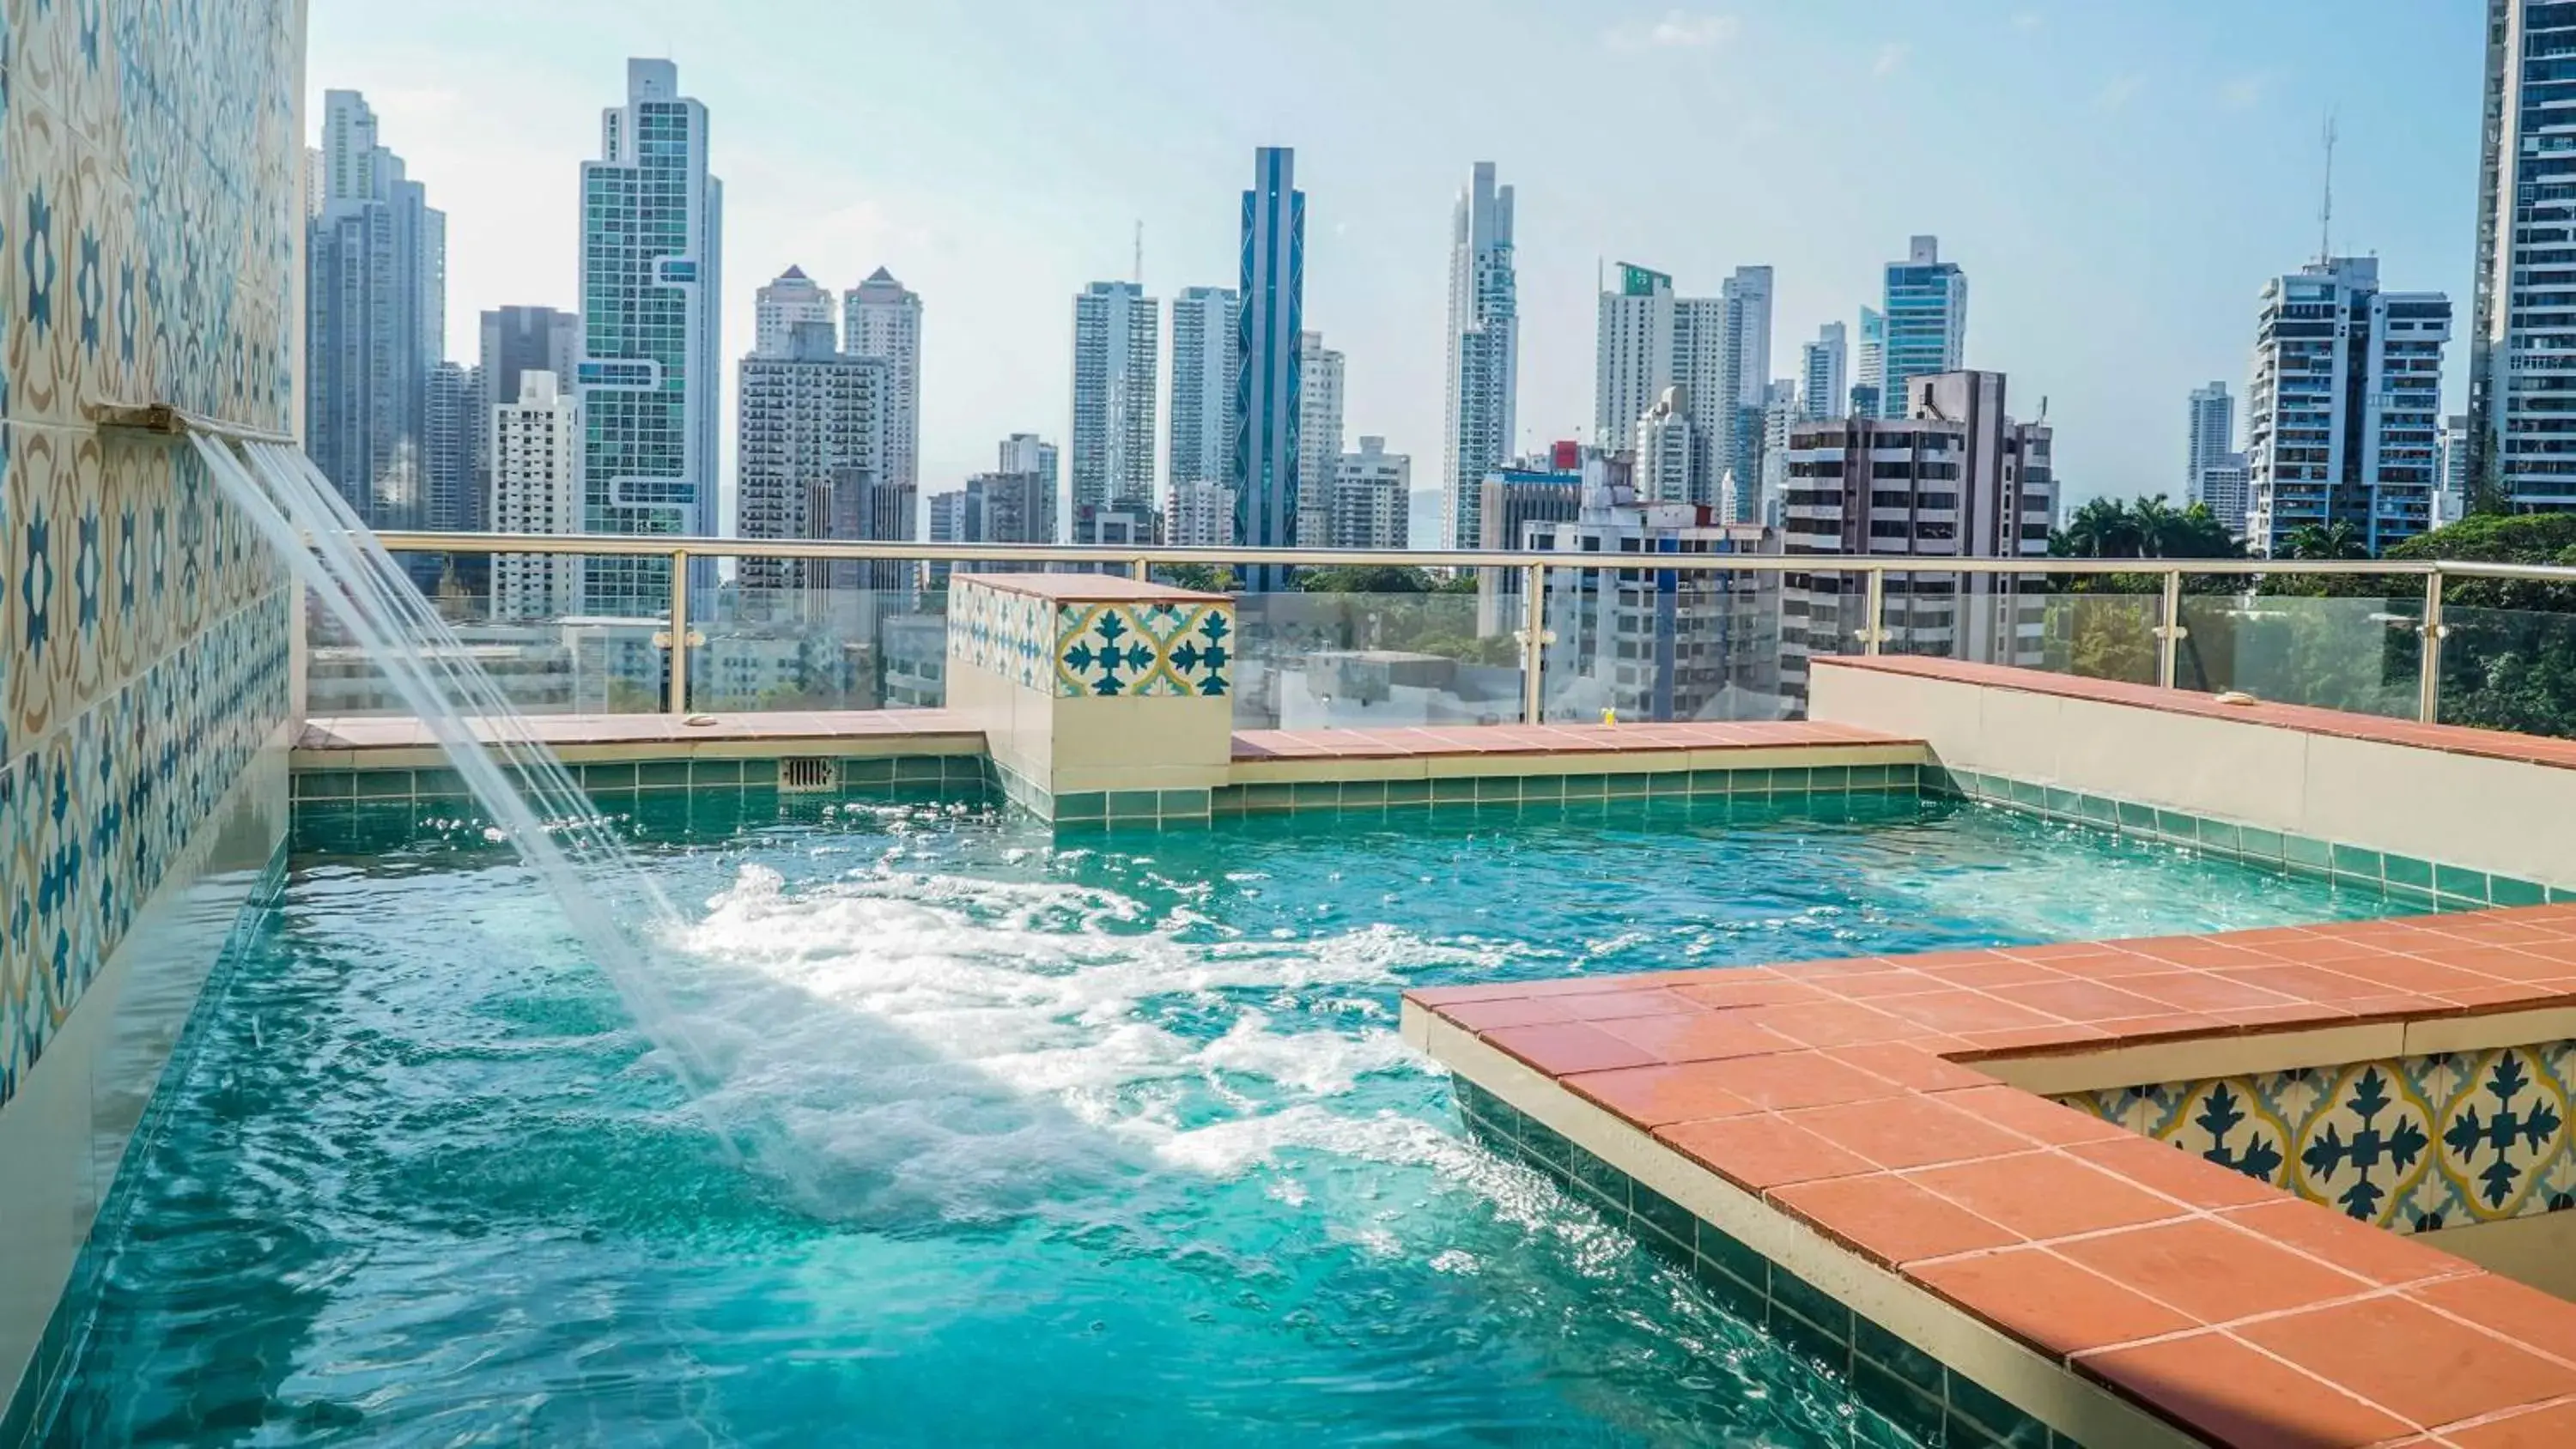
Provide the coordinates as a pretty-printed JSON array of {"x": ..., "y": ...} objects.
[{"x": 2118, "y": 180}]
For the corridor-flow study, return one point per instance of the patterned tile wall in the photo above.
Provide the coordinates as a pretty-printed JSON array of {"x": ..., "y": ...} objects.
[
  {"x": 150, "y": 172},
  {"x": 2413, "y": 1144},
  {"x": 1084, "y": 650}
]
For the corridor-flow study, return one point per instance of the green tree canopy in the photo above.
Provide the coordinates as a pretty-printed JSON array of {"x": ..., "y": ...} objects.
[{"x": 1366, "y": 579}]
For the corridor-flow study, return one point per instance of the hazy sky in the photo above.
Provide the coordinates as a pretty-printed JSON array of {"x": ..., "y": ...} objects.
[{"x": 2117, "y": 179}]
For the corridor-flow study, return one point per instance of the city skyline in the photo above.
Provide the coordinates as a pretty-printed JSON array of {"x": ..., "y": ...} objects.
[{"x": 496, "y": 124}]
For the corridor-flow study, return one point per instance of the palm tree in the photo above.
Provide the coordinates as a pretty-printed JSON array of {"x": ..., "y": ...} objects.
[{"x": 2335, "y": 540}]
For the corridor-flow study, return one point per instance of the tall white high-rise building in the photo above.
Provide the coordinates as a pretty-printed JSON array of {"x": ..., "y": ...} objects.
[
  {"x": 809, "y": 417},
  {"x": 2343, "y": 416},
  {"x": 1117, "y": 332},
  {"x": 1372, "y": 498},
  {"x": 1206, "y": 362},
  {"x": 1823, "y": 389},
  {"x": 2211, "y": 440},
  {"x": 651, "y": 273},
  {"x": 536, "y": 488},
  {"x": 1199, "y": 515},
  {"x": 1649, "y": 342},
  {"x": 1869, "y": 368},
  {"x": 2522, "y": 329},
  {"x": 881, "y": 318},
  {"x": 1319, "y": 435},
  {"x": 1484, "y": 349},
  {"x": 1926, "y": 321},
  {"x": 777, "y": 309},
  {"x": 2454, "y": 503},
  {"x": 1668, "y": 450}
]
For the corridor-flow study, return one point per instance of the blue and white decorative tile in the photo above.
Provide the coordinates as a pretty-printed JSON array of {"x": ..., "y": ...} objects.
[
  {"x": 2365, "y": 1142},
  {"x": 2505, "y": 1130},
  {"x": 1101, "y": 650}
]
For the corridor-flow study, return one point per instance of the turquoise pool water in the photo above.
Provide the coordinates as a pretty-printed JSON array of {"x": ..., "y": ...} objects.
[{"x": 1043, "y": 1140}]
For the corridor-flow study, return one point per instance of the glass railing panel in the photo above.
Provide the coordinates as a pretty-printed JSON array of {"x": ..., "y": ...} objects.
[
  {"x": 806, "y": 634},
  {"x": 2359, "y": 652},
  {"x": 1324, "y": 659},
  {"x": 1650, "y": 645},
  {"x": 2509, "y": 669},
  {"x": 525, "y": 619}
]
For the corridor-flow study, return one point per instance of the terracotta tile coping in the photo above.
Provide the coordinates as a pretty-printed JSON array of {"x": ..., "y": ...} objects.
[
  {"x": 1091, "y": 588},
  {"x": 1402, "y": 742},
  {"x": 2451, "y": 739},
  {"x": 1841, "y": 1094},
  {"x": 398, "y": 733}
]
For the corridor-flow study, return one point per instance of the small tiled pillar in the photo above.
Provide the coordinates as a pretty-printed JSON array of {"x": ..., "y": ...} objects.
[{"x": 1100, "y": 697}]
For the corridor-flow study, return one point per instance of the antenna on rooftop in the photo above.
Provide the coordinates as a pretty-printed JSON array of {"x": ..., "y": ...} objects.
[{"x": 2325, "y": 211}]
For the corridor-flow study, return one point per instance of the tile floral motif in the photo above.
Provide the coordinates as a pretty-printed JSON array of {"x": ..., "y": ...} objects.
[
  {"x": 2412, "y": 1144},
  {"x": 1127, "y": 649}
]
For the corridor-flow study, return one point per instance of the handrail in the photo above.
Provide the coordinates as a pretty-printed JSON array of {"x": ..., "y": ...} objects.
[
  {"x": 1531, "y": 565},
  {"x": 664, "y": 545}
]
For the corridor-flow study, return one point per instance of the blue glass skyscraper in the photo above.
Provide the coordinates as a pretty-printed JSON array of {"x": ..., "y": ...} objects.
[
  {"x": 1927, "y": 321},
  {"x": 1266, "y": 392}
]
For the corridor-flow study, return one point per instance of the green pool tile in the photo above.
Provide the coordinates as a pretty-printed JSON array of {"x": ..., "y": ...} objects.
[
  {"x": 2504, "y": 890},
  {"x": 1909, "y": 1409},
  {"x": 1406, "y": 792},
  {"x": 662, "y": 774},
  {"x": 1134, "y": 804},
  {"x": 2303, "y": 853},
  {"x": 1269, "y": 797},
  {"x": 1623, "y": 787},
  {"x": 1315, "y": 794},
  {"x": 2027, "y": 794},
  {"x": 2136, "y": 817},
  {"x": 920, "y": 769},
  {"x": 1810, "y": 1321},
  {"x": 384, "y": 784},
  {"x": 2220, "y": 835},
  {"x": 2256, "y": 843},
  {"x": 1735, "y": 1296},
  {"x": 1663, "y": 1215},
  {"x": 1498, "y": 789},
  {"x": 1225, "y": 800},
  {"x": 1664, "y": 783},
  {"x": 1993, "y": 1420},
  {"x": 1363, "y": 794},
  {"x": 1540, "y": 789},
  {"x": 326, "y": 785},
  {"x": 1829, "y": 778},
  {"x": 1867, "y": 777},
  {"x": 2408, "y": 895},
  {"x": 1181, "y": 804},
  {"x": 729, "y": 772},
  {"x": 879, "y": 771},
  {"x": 620, "y": 776},
  {"x": 2099, "y": 810},
  {"x": 2452, "y": 880},
  {"x": 1446, "y": 791},
  {"x": 2357, "y": 861},
  {"x": 1585, "y": 787},
  {"x": 2406, "y": 870},
  {"x": 1911, "y": 1366},
  {"x": 1081, "y": 805},
  {"x": 2059, "y": 802}
]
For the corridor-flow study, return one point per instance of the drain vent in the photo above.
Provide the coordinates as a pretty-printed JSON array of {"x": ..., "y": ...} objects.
[{"x": 808, "y": 775}]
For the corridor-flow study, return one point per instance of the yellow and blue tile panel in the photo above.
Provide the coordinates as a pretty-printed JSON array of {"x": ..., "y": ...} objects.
[
  {"x": 1125, "y": 648},
  {"x": 2412, "y": 1144}
]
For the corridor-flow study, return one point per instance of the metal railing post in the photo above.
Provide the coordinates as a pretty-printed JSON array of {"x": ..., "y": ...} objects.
[
  {"x": 1533, "y": 642},
  {"x": 1873, "y": 623},
  {"x": 1141, "y": 570},
  {"x": 679, "y": 703},
  {"x": 2428, "y": 687},
  {"x": 2169, "y": 630}
]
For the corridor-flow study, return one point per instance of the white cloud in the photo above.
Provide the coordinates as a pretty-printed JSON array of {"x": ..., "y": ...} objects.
[
  {"x": 1678, "y": 30},
  {"x": 2243, "y": 93},
  {"x": 2119, "y": 92},
  {"x": 1891, "y": 59}
]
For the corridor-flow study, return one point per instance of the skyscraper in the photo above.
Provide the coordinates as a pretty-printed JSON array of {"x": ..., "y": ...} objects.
[
  {"x": 1926, "y": 321},
  {"x": 1372, "y": 496},
  {"x": 2343, "y": 416},
  {"x": 1701, "y": 351},
  {"x": 1207, "y": 361},
  {"x": 1484, "y": 349},
  {"x": 1869, "y": 369},
  {"x": 536, "y": 488},
  {"x": 780, "y": 306},
  {"x": 810, "y": 423},
  {"x": 1116, "y": 333},
  {"x": 881, "y": 318},
  {"x": 1822, "y": 369},
  {"x": 651, "y": 271},
  {"x": 452, "y": 431},
  {"x": 515, "y": 342},
  {"x": 375, "y": 320},
  {"x": 1319, "y": 437},
  {"x": 1272, "y": 286},
  {"x": 2522, "y": 366},
  {"x": 2212, "y": 436}
]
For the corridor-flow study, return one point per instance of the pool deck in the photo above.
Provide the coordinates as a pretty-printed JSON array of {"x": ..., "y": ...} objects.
[{"x": 1866, "y": 1100}]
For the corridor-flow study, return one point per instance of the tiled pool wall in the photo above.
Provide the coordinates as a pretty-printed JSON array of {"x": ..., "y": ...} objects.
[
  {"x": 2433, "y": 885},
  {"x": 2421, "y": 1143},
  {"x": 1884, "y": 1377},
  {"x": 150, "y": 166}
]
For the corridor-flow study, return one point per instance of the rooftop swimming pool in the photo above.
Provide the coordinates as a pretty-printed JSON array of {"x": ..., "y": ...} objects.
[{"x": 1020, "y": 1136}]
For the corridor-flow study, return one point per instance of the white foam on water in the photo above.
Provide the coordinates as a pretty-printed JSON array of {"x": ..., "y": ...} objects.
[{"x": 970, "y": 1047}]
